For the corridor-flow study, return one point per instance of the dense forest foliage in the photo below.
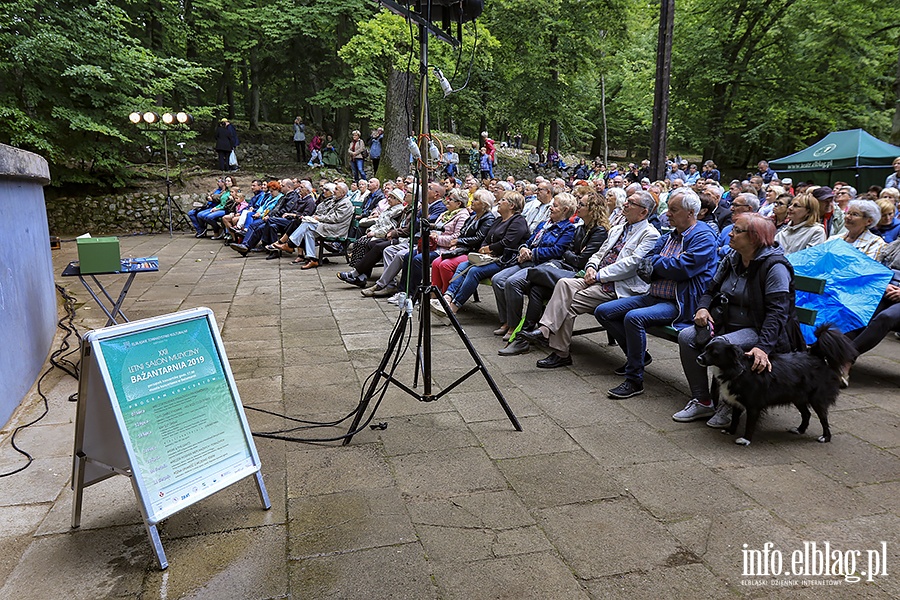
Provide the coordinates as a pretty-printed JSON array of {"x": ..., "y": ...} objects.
[{"x": 750, "y": 78}]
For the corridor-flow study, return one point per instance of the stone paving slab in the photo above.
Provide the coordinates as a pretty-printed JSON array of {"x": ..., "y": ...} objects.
[{"x": 596, "y": 498}]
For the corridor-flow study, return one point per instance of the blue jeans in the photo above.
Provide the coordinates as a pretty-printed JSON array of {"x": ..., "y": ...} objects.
[
  {"x": 211, "y": 217},
  {"x": 195, "y": 221},
  {"x": 414, "y": 276},
  {"x": 465, "y": 282},
  {"x": 627, "y": 320},
  {"x": 357, "y": 166}
]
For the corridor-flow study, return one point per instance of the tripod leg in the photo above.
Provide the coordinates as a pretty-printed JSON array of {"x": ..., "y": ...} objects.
[
  {"x": 477, "y": 358},
  {"x": 419, "y": 357},
  {"x": 396, "y": 338}
]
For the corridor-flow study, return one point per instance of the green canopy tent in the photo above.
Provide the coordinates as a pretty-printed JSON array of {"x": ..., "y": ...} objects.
[{"x": 854, "y": 156}]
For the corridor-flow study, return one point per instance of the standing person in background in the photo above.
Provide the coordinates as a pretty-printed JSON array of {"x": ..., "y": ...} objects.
[
  {"x": 300, "y": 139},
  {"x": 357, "y": 154},
  {"x": 893, "y": 180},
  {"x": 491, "y": 151},
  {"x": 475, "y": 160},
  {"x": 485, "y": 162},
  {"x": 710, "y": 171},
  {"x": 375, "y": 148},
  {"x": 226, "y": 141},
  {"x": 450, "y": 160},
  {"x": 315, "y": 150},
  {"x": 763, "y": 170}
]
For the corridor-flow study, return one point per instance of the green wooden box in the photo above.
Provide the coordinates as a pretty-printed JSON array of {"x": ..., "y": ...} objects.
[{"x": 99, "y": 255}]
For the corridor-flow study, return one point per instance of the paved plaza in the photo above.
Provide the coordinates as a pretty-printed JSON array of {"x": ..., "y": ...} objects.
[{"x": 596, "y": 498}]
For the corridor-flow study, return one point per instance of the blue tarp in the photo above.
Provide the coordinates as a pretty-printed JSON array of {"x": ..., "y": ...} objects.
[{"x": 855, "y": 285}]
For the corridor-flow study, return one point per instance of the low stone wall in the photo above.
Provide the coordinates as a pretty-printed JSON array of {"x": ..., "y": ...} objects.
[{"x": 121, "y": 213}]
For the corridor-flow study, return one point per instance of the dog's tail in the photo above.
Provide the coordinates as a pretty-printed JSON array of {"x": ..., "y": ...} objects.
[{"x": 833, "y": 347}]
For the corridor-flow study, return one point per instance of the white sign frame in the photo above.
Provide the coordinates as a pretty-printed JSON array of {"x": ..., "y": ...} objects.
[{"x": 103, "y": 444}]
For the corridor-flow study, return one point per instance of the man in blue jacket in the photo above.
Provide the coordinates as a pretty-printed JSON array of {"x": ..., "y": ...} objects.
[{"x": 679, "y": 269}]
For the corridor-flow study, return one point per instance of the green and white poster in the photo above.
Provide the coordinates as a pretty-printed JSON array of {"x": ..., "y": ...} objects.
[{"x": 178, "y": 412}]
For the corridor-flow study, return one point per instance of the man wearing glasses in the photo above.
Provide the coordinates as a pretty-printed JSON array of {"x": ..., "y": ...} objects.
[
  {"x": 745, "y": 203},
  {"x": 679, "y": 269},
  {"x": 610, "y": 273}
]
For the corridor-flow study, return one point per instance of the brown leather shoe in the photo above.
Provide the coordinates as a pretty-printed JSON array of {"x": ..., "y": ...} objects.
[{"x": 312, "y": 264}]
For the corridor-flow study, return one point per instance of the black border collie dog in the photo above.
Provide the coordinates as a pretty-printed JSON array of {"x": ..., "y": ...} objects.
[{"x": 804, "y": 379}]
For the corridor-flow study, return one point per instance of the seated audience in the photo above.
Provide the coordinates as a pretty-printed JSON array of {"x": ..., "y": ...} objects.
[
  {"x": 470, "y": 239},
  {"x": 549, "y": 241},
  {"x": 888, "y": 228},
  {"x": 384, "y": 223},
  {"x": 679, "y": 269},
  {"x": 499, "y": 250},
  {"x": 887, "y": 313},
  {"x": 609, "y": 274}
]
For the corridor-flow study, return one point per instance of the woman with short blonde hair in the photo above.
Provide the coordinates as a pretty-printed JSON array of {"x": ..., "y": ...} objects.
[{"x": 803, "y": 229}]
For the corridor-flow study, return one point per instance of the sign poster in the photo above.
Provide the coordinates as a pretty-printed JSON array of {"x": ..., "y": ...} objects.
[{"x": 187, "y": 437}]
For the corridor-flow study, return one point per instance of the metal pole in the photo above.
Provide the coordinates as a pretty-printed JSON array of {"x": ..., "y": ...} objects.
[
  {"x": 165, "y": 133},
  {"x": 424, "y": 223},
  {"x": 658, "y": 132}
]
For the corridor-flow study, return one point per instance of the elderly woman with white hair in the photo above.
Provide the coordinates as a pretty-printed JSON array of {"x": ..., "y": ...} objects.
[
  {"x": 615, "y": 200},
  {"x": 860, "y": 216}
]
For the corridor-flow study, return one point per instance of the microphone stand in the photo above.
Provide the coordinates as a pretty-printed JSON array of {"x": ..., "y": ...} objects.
[{"x": 425, "y": 288}]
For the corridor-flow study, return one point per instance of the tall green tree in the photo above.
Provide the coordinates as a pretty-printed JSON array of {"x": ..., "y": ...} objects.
[{"x": 70, "y": 74}]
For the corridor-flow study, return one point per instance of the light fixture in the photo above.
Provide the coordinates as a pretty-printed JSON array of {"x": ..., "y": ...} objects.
[
  {"x": 135, "y": 117},
  {"x": 184, "y": 118},
  {"x": 151, "y": 117},
  {"x": 168, "y": 118}
]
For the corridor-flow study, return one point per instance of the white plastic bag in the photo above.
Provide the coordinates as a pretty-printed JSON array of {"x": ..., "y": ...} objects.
[{"x": 232, "y": 160}]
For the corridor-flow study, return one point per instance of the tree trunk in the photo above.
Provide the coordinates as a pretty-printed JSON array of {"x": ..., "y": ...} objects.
[
  {"x": 254, "y": 88},
  {"x": 228, "y": 76},
  {"x": 190, "y": 41},
  {"x": 540, "y": 140},
  {"x": 895, "y": 128},
  {"x": 605, "y": 130},
  {"x": 394, "y": 152},
  {"x": 554, "y": 134},
  {"x": 659, "y": 129}
]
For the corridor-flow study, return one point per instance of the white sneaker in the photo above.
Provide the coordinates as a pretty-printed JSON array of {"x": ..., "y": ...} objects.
[
  {"x": 397, "y": 299},
  {"x": 694, "y": 411},
  {"x": 722, "y": 418},
  {"x": 437, "y": 308}
]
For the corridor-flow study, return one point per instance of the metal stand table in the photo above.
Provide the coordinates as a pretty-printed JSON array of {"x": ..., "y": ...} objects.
[{"x": 131, "y": 266}]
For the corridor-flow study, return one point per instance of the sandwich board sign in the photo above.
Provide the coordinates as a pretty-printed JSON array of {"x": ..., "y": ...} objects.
[{"x": 157, "y": 402}]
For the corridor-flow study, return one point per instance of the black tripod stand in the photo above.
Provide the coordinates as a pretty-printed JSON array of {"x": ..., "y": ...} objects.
[
  {"x": 424, "y": 290},
  {"x": 170, "y": 203}
]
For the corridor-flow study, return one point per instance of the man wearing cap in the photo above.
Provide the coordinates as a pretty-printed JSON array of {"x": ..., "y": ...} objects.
[
  {"x": 450, "y": 160},
  {"x": 830, "y": 215},
  {"x": 788, "y": 184}
]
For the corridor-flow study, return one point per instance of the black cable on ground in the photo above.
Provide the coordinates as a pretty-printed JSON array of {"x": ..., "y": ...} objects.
[
  {"x": 378, "y": 393},
  {"x": 58, "y": 360}
]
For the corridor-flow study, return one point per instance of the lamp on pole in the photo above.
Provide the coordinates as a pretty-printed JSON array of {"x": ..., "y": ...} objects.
[{"x": 151, "y": 121}]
